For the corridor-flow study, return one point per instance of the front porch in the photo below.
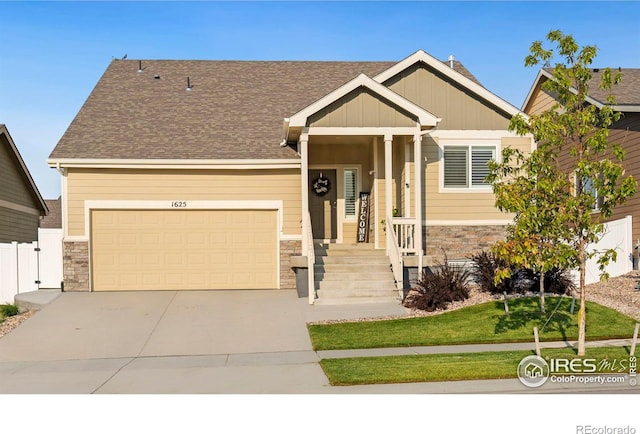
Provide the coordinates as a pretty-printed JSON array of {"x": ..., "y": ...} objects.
[{"x": 336, "y": 169}]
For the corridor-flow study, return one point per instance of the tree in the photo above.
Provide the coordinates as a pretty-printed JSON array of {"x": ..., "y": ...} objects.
[
  {"x": 574, "y": 171},
  {"x": 533, "y": 188}
]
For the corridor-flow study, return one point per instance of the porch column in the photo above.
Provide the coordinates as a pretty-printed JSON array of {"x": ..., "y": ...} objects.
[
  {"x": 388, "y": 191},
  {"x": 417, "y": 172},
  {"x": 304, "y": 168}
]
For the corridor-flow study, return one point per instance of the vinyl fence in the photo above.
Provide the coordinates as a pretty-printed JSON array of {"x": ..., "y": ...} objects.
[
  {"x": 28, "y": 267},
  {"x": 617, "y": 235}
]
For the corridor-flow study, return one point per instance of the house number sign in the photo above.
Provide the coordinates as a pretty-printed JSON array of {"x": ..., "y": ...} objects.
[{"x": 178, "y": 204}]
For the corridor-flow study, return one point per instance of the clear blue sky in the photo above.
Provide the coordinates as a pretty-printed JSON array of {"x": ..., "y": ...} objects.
[{"x": 53, "y": 53}]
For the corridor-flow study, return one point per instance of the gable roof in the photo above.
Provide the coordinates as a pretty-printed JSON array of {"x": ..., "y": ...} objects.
[
  {"x": 5, "y": 138},
  {"x": 423, "y": 116},
  {"x": 626, "y": 93},
  {"x": 234, "y": 110},
  {"x": 453, "y": 73}
]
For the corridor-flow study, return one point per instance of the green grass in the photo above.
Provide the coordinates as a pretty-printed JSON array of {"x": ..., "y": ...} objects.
[
  {"x": 483, "y": 323},
  {"x": 444, "y": 367},
  {"x": 7, "y": 310}
]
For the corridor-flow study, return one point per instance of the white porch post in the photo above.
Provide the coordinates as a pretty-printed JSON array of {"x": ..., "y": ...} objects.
[
  {"x": 417, "y": 169},
  {"x": 388, "y": 191},
  {"x": 304, "y": 168}
]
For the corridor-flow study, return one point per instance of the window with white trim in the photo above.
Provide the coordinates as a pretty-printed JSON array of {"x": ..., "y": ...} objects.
[
  {"x": 462, "y": 171},
  {"x": 350, "y": 192},
  {"x": 588, "y": 187}
]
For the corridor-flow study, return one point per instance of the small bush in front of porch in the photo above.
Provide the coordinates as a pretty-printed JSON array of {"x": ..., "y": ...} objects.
[
  {"x": 522, "y": 280},
  {"x": 436, "y": 288}
]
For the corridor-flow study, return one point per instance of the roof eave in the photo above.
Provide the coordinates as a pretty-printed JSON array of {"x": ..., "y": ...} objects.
[{"x": 23, "y": 166}]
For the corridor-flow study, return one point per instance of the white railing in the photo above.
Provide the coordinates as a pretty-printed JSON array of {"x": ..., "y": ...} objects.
[
  {"x": 311, "y": 259},
  {"x": 395, "y": 257},
  {"x": 404, "y": 230}
]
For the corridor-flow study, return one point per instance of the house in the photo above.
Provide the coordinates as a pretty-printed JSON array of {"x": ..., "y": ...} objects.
[
  {"x": 221, "y": 174},
  {"x": 21, "y": 204},
  {"x": 625, "y": 132}
]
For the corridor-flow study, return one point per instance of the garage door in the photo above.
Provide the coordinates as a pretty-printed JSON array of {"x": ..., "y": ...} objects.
[{"x": 180, "y": 249}]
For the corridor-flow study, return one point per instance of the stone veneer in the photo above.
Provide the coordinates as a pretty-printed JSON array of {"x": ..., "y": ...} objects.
[
  {"x": 459, "y": 242},
  {"x": 287, "y": 250},
  {"x": 76, "y": 265}
]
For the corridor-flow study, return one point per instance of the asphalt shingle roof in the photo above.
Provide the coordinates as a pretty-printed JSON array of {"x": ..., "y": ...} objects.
[{"x": 235, "y": 109}]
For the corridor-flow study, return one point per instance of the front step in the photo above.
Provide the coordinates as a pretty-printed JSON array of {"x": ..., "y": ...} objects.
[{"x": 353, "y": 273}]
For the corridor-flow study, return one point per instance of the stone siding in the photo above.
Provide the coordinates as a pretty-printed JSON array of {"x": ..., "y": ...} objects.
[
  {"x": 76, "y": 265},
  {"x": 287, "y": 275},
  {"x": 459, "y": 242}
]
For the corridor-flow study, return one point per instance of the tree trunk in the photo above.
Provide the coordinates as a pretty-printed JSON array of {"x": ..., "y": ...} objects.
[
  {"x": 542, "y": 308},
  {"x": 582, "y": 311}
]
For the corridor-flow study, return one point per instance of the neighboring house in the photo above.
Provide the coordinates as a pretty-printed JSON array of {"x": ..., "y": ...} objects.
[
  {"x": 200, "y": 174},
  {"x": 54, "y": 219},
  {"x": 21, "y": 204},
  {"x": 625, "y": 132}
]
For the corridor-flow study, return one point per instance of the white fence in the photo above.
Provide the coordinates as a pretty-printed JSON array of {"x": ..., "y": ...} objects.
[
  {"x": 25, "y": 267},
  {"x": 617, "y": 235}
]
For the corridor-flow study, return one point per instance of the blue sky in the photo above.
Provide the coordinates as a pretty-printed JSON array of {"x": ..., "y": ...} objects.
[{"x": 53, "y": 53}]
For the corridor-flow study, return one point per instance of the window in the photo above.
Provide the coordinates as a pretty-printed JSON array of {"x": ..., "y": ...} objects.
[
  {"x": 460, "y": 171},
  {"x": 350, "y": 192},
  {"x": 588, "y": 187}
]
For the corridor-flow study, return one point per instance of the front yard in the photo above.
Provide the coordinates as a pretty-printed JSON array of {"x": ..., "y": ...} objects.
[{"x": 483, "y": 323}]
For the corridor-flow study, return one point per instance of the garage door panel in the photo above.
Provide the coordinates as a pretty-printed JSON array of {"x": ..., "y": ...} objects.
[{"x": 184, "y": 249}]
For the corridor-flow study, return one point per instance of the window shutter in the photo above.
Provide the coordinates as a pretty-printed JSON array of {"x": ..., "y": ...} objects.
[
  {"x": 455, "y": 167},
  {"x": 480, "y": 157},
  {"x": 350, "y": 187}
]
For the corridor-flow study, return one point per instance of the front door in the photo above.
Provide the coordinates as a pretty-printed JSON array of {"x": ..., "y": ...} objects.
[{"x": 323, "y": 204}]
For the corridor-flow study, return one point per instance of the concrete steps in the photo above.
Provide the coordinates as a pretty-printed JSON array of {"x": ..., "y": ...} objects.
[{"x": 353, "y": 273}]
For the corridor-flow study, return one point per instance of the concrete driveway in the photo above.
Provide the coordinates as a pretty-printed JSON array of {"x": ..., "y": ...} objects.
[
  {"x": 163, "y": 342},
  {"x": 171, "y": 342}
]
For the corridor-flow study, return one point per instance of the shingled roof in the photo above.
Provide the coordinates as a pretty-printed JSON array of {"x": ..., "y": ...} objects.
[{"x": 235, "y": 109}]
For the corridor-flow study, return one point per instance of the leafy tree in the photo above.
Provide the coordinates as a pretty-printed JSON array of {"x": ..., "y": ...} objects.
[{"x": 555, "y": 202}]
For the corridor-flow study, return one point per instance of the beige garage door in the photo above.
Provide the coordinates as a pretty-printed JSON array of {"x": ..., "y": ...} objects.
[{"x": 180, "y": 249}]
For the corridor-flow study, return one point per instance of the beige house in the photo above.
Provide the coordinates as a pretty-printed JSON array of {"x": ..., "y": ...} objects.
[
  {"x": 221, "y": 174},
  {"x": 21, "y": 205}
]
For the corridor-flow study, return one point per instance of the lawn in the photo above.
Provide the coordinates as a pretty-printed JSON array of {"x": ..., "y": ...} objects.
[
  {"x": 483, "y": 323},
  {"x": 445, "y": 367}
]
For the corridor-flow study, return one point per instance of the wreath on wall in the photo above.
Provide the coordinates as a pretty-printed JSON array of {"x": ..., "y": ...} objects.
[{"x": 321, "y": 185}]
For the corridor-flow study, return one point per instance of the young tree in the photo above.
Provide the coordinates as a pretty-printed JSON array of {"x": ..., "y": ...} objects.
[
  {"x": 591, "y": 177},
  {"x": 534, "y": 189}
]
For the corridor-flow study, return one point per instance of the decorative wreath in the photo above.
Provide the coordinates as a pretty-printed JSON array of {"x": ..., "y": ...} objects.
[{"x": 321, "y": 185}]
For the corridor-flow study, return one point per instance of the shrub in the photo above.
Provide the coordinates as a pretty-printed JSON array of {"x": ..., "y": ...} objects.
[
  {"x": 7, "y": 310},
  {"x": 436, "y": 288},
  {"x": 522, "y": 280},
  {"x": 484, "y": 269},
  {"x": 556, "y": 281}
]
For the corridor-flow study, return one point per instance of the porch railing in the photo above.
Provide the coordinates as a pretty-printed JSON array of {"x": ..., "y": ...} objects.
[
  {"x": 404, "y": 230},
  {"x": 395, "y": 257},
  {"x": 311, "y": 259}
]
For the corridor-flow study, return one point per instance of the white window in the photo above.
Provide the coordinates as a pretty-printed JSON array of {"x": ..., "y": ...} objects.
[
  {"x": 588, "y": 187},
  {"x": 350, "y": 192},
  {"x": 460, "y": 171}
]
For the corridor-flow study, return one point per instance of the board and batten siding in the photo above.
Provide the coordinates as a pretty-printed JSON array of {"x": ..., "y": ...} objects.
[
  {"x": 458, "y": 108},
  {"x": 361, "y": 108},
  {"x": 473, "y": 205},
  {"x": 219, "y": 185},
  {"x": 540, "y": 102}
]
